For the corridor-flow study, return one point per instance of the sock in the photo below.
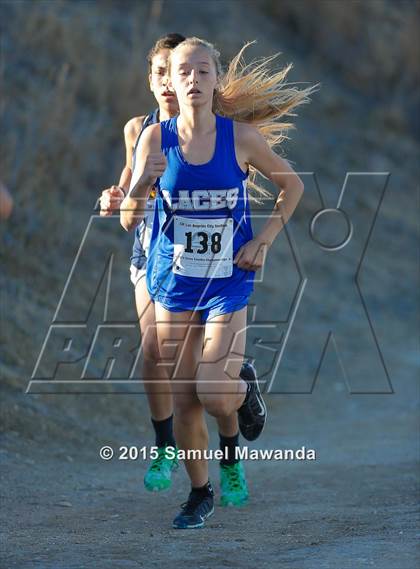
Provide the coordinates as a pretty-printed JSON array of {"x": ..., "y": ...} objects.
[
  {"x": 164, "y": 432},
  {"x": 231, "y": 443},
  {"x": 206, "y": 490}
]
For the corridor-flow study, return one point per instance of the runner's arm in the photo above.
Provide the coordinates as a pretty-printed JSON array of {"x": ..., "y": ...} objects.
[
  {"x": 131, "y": 132},
  {"x": 257, "y": 153},
  {"x": 112, "y": 197},
  {"x": 150, "y": 165}
]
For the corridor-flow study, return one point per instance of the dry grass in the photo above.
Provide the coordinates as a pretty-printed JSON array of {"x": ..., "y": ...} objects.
[
  {"x": 62, "y": 121},
  {"x": 372, "y": 47}
]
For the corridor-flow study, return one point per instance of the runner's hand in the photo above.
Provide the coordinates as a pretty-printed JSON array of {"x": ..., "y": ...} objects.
[
  {"x": 154, "y": 166},
  {"x": 251, "y": 256},
  {"x": 110, "y": 200}
]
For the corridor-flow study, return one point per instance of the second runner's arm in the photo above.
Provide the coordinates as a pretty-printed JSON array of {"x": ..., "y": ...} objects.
[
  {"x": 150, "y": 165},
  {"x": 112, "y": 197}
]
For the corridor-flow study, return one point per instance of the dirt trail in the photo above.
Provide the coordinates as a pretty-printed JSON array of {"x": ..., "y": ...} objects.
[{"x": 355, "y": 506}]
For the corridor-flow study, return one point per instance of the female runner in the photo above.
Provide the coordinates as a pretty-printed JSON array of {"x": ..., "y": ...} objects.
[
  {"x": 203, "y": 255},
  {"x": 234, "y": 490}
]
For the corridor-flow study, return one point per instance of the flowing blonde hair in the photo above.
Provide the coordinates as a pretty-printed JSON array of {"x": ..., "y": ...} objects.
[{"x": 253, "y": 93}]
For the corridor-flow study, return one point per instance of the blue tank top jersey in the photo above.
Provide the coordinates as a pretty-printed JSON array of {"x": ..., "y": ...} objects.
[
  {"x": 144, "y": 229},
  {"x": 201, "y": 219}
]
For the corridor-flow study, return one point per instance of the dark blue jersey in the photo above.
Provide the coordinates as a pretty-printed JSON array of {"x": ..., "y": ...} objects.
[{"x": 144, "y": 229}]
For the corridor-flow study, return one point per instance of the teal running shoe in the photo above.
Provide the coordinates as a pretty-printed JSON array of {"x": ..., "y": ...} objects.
[
  {"x": 159, "y": 474},
  {"x": 233, "y": 486}
]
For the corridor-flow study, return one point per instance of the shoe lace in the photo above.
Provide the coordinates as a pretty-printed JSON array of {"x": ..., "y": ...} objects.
[
  {"x": 157, "y": 462},
  {"x": 190, "y": 505},
  {"x": 233, "y": 478}
]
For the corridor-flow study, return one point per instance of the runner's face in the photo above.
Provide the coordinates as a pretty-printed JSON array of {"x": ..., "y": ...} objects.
[
  {"x": 159, "y": 81},
  {"x": 193, "y": 76}
]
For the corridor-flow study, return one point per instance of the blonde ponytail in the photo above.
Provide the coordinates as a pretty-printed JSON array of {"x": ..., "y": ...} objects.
[{"x": 255, "y": 94}]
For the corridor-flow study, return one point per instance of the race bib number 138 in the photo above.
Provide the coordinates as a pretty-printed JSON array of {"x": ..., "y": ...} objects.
[{"x": 203, "y": 247}]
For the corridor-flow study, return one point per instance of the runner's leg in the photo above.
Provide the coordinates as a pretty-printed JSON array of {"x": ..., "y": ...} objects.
[
  {"x": 180, "y": 337},
  {"x": 158, "y": 389},
  {"x": 218, "y": 381},
  {"x": 155, "y": 377},
  {"x": 223, "y": 383},
  {"x": 219, "y": 386}
]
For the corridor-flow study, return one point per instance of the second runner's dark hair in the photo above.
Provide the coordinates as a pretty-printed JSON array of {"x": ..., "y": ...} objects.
[{"x": 170, "y": 41}]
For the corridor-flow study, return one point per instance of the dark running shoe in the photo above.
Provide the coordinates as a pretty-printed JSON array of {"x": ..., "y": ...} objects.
[
  {"x": 253, "y": 413},
  {"x": 195, "y": 510}
]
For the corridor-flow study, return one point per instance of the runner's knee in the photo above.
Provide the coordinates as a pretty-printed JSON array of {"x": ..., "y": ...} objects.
[
  {"x": 150, "y": 349},
  {"x": 186, "y": 405},
  {"x": 217, "y": 405}
]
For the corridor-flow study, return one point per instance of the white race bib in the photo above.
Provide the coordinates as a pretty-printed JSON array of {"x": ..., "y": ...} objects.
[{"x": 203, "y": 247}]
